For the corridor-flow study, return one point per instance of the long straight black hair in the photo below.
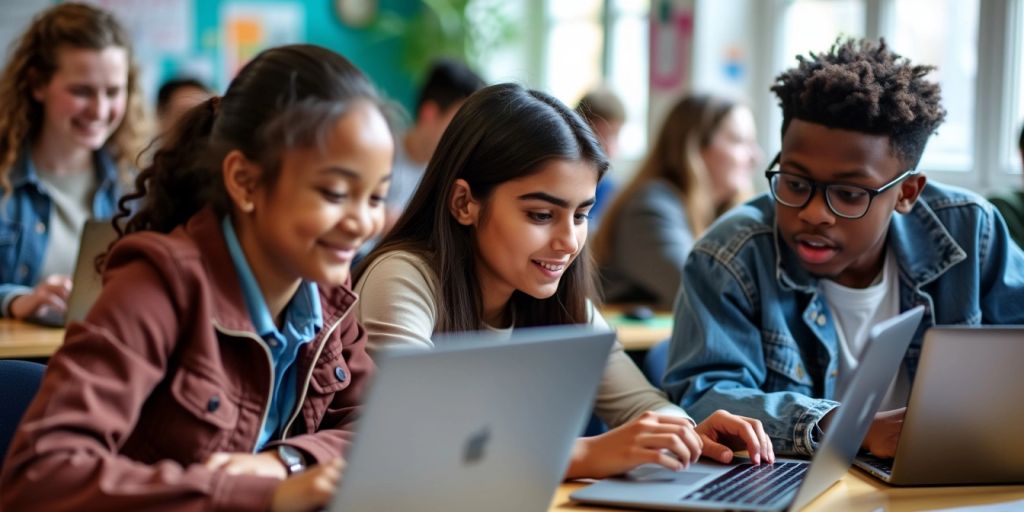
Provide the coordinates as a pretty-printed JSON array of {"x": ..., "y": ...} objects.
[{"x": 502, "y": 132}]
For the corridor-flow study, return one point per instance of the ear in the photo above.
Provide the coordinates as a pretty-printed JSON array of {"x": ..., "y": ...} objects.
[
  {"x": 241, "y": 177},
  {"x": 462, "y": 205},
  {"x": 38, "y": 87},
  {"x": 910, "y": 190}
]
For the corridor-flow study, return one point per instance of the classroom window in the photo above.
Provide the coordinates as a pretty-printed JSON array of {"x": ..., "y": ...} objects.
[
  {"x": 944, "y": 34},
  {"x": 627, "y": 70},
  {"x": 812, "y": 25},
  {"x": 575, "y": 46}
]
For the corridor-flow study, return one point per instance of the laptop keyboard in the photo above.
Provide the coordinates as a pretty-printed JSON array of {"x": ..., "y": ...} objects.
[
  {"x": 753, "y": 485},
  {"x": 883, "y": 465}
]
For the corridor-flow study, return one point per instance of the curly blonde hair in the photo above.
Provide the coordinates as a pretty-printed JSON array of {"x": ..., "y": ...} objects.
[{"x": 33, "y": 61}]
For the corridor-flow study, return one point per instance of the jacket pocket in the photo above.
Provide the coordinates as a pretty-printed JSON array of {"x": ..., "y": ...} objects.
[
  {"x": 210, "y": 413},
  {"x": 786, "y": 368}
]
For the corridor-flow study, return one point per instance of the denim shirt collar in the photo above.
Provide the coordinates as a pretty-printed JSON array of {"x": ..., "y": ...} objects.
[
  {"x": 303, "y": 315},
  {"x": 24, "y": 170},
  {"x": 919, "y": 228}
]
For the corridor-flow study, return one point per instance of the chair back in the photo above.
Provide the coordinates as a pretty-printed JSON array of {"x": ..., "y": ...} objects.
[{"x": 19, "y": 382}]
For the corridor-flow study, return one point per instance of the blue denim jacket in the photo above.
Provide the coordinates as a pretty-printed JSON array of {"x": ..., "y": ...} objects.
[
  {"x": 25, "y": 222},
  {"x": 753, "y": 332}
]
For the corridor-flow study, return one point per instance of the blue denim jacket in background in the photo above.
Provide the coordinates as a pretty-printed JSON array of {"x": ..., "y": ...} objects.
[
  {"x": 25, "y": 222},
  {"x": 754, "y": 335}
]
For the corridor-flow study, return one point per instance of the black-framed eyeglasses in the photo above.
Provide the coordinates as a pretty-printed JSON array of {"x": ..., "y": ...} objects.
[{"x": 845, "y": 200}]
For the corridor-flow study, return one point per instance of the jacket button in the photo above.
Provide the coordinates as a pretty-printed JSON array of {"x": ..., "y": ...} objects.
[
  {"x": 23, "y": 271},
  {"x": 40, "y": 227},
  {"x": 339, "y": 374},
  {"x": 821, "y": 320},
  {"x": 213, "y": 404}
]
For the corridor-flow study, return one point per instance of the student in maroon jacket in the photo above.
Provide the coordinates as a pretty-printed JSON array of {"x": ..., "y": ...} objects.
[{"x": 222, "y": 367}]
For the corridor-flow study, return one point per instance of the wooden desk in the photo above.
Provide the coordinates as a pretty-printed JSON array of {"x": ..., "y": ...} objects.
[
  {"x": 638, "y": 334},
  {"x": 858, "y": 492},
  {"x": 21, "y": 339}
]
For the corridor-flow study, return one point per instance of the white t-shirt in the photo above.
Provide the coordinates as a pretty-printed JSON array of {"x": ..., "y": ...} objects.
[{"x": 856, "y": 311}]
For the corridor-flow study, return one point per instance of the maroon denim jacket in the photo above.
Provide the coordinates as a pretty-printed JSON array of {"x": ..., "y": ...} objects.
[{"x": 167, "y": 369}]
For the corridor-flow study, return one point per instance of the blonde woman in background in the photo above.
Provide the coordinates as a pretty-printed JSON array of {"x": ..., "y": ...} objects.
[
  {"x": 701, "y": 165},
  {"x": 69, "y": 123}
]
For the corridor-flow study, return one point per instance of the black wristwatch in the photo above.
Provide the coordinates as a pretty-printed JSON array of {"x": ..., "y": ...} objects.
[{"x": 292, "y": 459}]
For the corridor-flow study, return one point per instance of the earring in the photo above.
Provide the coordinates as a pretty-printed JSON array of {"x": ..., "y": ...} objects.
[{"x": 247, "y": 207}]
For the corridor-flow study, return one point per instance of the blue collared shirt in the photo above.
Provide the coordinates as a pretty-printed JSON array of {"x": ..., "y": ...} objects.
[
  {"x": 303, "y": 319},
  {"x": 754, "y": 334}
]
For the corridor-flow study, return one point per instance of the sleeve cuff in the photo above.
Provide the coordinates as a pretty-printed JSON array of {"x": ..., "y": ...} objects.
[
  {"x": 8, "y": 298},
  {"x": 808, "y": 433},
  {"x": 674, "y": 410}
]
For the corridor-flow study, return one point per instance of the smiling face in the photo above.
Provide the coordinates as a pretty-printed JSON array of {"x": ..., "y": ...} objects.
[
  {"x": 848, "y": 251},
  {"x": 85, "y": 99},
  {"x": 309, "y": 223},
  {"x": 530, "y": 230}
]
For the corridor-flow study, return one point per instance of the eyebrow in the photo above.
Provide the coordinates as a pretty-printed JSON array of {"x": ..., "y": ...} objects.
[
  {"x": 348, "y": 173},
  {"x": 843, "y": 175},
  {"x": 557, "y": 201}
]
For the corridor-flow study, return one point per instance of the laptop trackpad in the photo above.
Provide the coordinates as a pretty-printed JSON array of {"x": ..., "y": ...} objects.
[{"x": 655, "y": 473}]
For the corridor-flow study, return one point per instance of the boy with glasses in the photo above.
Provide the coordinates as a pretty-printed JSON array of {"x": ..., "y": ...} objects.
[{"x": 778, "y": 297}]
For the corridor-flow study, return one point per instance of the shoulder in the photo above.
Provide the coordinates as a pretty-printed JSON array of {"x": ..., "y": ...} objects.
[
  {"x": 748, "y": 226},
  {"x": 656, "y": 193},
  {"x": 409, "y": 267},
  {"x": 164, "y": 250},
  {"x": 953, "y": 206}
]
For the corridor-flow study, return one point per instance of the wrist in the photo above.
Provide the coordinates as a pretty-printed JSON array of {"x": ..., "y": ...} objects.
[
  {"x": 291, "y": 458},
  {"x": 578, "y": 460}
]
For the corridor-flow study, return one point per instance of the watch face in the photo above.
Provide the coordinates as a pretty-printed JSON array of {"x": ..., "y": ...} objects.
[{"x": 291, "y": 458}]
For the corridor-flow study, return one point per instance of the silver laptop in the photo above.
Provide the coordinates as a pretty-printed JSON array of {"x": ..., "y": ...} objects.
[
  {"x": 963, "y": 419},
  {"x": 478, "y": 423},
  {"x": 86, "y": 283},
  {"x": 787, "y": 484}
]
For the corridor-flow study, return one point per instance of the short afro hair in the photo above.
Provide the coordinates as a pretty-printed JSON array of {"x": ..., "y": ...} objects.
[{"x": 863, "y": 86}]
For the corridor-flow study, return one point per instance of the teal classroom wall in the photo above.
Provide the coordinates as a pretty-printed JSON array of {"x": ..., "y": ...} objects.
[{"x": 378, "y": 56}]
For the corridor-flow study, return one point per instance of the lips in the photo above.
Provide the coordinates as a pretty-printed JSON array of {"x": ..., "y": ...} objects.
[
  {"x": 815, "y": 249},
  {"x": 340, "y": 252},
  {"x": 551, "y": 268}
]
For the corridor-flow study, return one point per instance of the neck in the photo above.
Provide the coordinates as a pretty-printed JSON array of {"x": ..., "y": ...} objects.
[
  {"x": 495, "y": 297},
  {"x": 416, "y": 145},
  {"x": 277, "y": 287},
  {"x": 57, "y": 157}
]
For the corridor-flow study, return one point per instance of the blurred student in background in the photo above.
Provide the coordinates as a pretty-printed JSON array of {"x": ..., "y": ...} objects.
[
  {"x": 69, "y": 124},
  {"x": 1011, "y": 204},
  {"x": 177, "y": 96},
  {"x": 606, "y": 114},
  {"x": 448, "y": 84},
  {"x": 701, "y": 164}
]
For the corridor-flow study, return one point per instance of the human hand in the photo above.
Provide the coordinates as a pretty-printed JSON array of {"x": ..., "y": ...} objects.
[
  {"x": 723, "y": 432},
  {"x": 884, "y": 435},
  {"x": 310, "y": 490},
  {"x": 260, "y": 464},
  {"x": 51, "y": 293},
  {"x": 670, "y": 441}
]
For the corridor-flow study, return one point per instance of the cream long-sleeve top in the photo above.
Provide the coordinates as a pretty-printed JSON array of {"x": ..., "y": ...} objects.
[{"x": 398, "y": 308}]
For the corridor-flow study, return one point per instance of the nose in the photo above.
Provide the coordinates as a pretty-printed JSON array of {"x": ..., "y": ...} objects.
[
  {"x": 567, "y": 238},
  {"x": 816, "y": 211},
  {"x": 358, "y": 221},
  {"x": 98, "y": 106}
]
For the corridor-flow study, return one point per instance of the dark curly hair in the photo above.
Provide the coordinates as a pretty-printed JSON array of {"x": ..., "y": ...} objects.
[{"x": 863, "y": 86}]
